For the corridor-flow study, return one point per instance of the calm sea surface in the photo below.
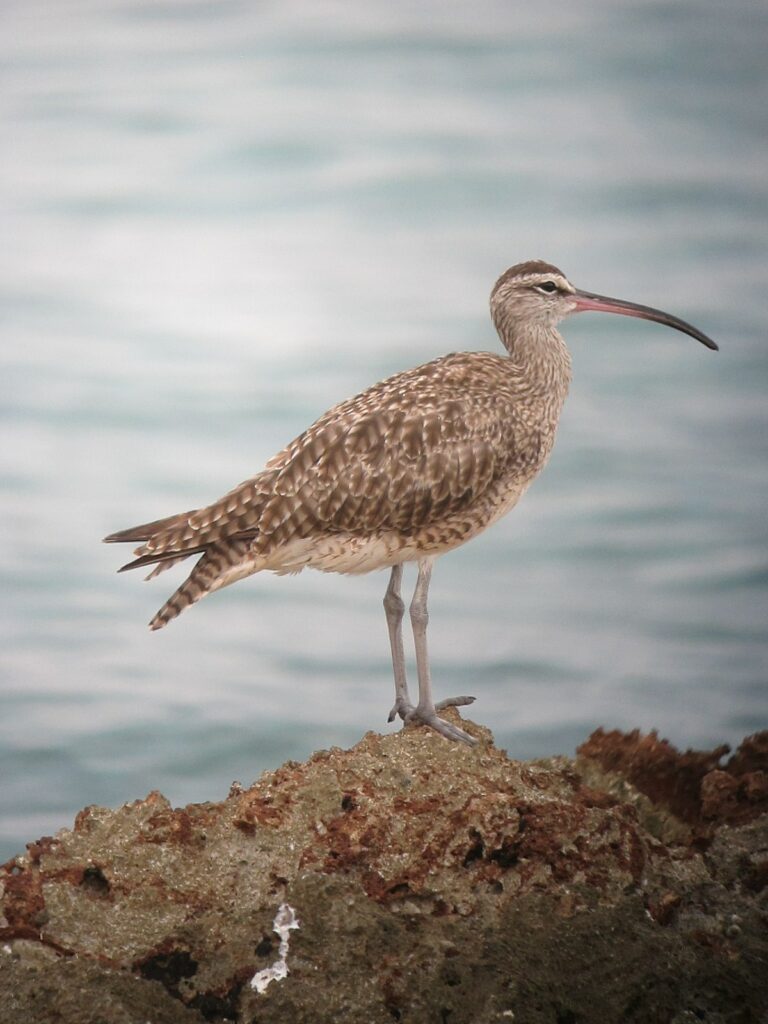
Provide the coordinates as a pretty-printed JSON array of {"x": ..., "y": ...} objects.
[{"x": 218, "y": 220}]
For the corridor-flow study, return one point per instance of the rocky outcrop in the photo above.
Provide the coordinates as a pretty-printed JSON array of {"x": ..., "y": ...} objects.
[{"x": 409, "y": 879}]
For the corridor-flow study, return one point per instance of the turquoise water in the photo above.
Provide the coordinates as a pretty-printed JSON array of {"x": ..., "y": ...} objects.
[{"x": 220, "y": 219}]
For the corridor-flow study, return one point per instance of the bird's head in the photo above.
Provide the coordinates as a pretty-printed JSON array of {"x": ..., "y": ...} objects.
[{"x": 537, "y": 295}]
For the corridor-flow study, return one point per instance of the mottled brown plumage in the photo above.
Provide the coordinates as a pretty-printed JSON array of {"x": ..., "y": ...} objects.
[{"x": 408, "y": 469}]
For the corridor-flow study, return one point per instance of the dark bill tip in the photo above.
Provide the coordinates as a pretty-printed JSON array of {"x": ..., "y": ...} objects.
[{"x": 586, "y": 301}]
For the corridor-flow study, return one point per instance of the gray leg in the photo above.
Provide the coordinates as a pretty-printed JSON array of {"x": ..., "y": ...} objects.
[
  {"x": 426, "y": 710},
  {"x": 394, "y": 608}
]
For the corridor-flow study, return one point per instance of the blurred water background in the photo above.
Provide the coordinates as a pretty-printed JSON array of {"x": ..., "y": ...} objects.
[{"x": 218, "y": 219}]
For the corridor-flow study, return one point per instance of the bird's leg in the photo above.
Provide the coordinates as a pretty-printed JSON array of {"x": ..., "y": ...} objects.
[
  {"x": 426, "y": 710},
  {"x": 395, "y": 609}
]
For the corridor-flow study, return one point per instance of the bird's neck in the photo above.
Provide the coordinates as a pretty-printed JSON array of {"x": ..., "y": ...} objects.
[{"x": 540, "y": 355}]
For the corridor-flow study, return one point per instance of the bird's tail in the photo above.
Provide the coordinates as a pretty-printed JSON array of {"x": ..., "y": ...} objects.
[
  {"x": 222, "y": 534},
  {"x": 222, "y": 563},
  {"x": 157, "y": 536}
]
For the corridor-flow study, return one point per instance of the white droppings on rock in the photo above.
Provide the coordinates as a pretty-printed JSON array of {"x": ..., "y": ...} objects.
[{"x": 285, "y": 921}]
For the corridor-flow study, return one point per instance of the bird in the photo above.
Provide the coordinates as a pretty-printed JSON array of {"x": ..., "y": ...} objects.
[{"x": 407, "y": 470}]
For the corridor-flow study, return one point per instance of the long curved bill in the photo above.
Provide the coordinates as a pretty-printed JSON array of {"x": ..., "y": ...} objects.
[{"x": 602, "y": 304}]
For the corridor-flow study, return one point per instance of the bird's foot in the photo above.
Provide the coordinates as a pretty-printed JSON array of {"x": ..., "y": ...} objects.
[
  {"x": 405, "y": 709},
  {"x": 428, "y": 716}
]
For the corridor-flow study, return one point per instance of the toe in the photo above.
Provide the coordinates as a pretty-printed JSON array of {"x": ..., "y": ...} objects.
[
  {"x": 452, "y": 732},
  {"x": 429, "y": 718},
  {"x": 454, "y": 702},
  {"x": 402, "y": 708}
]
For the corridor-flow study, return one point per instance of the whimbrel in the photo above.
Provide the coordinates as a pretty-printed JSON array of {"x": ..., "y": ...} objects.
[{"x": 409, "y": 469}]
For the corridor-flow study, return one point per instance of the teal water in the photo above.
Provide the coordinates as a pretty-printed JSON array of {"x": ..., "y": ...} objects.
[{"x": 220, "y": 219}]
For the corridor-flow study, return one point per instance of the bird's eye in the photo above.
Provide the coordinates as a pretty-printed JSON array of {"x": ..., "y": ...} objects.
[{"x": 546, "y": 286}]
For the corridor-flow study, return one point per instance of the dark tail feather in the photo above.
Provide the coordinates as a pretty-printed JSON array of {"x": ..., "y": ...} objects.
[
  {"x": 206, "y": 576},
  {"x": 191, "y": 590},
  {"x": 147, "y": 530},
  {"x": 162, "y": 566},
  {"x": 163, "y": 557}
]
